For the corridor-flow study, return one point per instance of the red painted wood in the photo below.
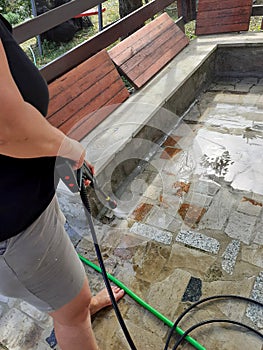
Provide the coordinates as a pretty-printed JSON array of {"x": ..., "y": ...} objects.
[
  {"x": 143, "y": 54},
  {"x": 88, "y": 123},
  {"x": 83, "y": 97},
  {"x": 89, "y": 13},
  {"x": 223, "y": 16},
  {"x": 208, "y": 5}
]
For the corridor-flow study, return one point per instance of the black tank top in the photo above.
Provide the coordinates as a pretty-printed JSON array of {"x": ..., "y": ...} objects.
[{"x": 26, "y": 185}]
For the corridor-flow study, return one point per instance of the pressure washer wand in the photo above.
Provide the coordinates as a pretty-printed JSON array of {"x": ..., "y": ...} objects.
[
  {"x": 72, "y": 179},
  {"x": 84, "y": 198},
  {"x": 85, "y": 173},
  {"x": 75, "y": 181}
]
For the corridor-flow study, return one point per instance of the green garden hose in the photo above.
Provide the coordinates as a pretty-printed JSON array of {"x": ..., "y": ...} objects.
[{"x": 148, "y": 307}]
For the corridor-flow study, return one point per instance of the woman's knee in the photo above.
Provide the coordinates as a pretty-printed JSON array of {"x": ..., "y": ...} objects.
[{"x": 77, "y": 310}]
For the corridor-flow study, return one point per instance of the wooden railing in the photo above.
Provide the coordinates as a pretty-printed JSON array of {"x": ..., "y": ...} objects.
[
  {"x": 186, "y": 11},
  {"x": 93, "y": 45},
  {"x": 52, "y": 18}
]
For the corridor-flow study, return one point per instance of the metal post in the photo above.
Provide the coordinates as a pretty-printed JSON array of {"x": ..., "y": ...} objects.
[
  {"x": 100, "y": 17},
  {"x": 34, "y": 13},
  {"x": 187, "y": 9}
]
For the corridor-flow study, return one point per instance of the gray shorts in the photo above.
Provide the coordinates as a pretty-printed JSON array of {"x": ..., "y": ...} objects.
[{"x": 40, "y": 264}]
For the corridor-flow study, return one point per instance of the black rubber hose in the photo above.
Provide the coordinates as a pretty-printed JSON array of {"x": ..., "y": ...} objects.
[
  {"x": 214, "y": 321},
  {"x": 215, "y": 297},
  {"x": 85, "y": 201}
]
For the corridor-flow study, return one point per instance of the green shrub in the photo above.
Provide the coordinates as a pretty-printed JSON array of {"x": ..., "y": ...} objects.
[
  {"x": 16, "y": 11},
  {"x": 12, "y": 18}
]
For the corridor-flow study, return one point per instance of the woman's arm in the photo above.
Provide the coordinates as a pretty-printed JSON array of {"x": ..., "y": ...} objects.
[{"x": 24, "y": 133}]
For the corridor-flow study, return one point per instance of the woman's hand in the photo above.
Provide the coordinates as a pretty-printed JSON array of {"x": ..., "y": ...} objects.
[{"x": 73, "y": 150}]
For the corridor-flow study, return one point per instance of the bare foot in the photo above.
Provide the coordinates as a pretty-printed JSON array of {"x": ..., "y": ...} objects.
[{"x": 102, "y": 299}]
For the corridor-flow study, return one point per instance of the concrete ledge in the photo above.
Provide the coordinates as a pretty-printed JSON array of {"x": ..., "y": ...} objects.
[{"x": 127, "y": 136}]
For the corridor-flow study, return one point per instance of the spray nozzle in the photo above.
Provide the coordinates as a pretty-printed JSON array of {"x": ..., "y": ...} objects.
[
  {"x": 73, "y": 180},
  {"x": 85, "y": 173}
]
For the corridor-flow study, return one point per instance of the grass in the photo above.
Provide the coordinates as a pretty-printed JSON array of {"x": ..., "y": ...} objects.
[
  {"x": 52, "y": 50},
  {"x": 255, "y": 23}
]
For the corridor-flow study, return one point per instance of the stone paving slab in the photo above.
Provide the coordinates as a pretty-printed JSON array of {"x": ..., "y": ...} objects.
[
  {"x": 160, "y": 218},
  {"x": 245, "y": 222},
  {"x": 170, "y": 291},
  {"x": 198, "y": 199},
  {"x": 183, "y": 257},
  {"x": 249, "y": 207},
  {"x": 26, "y": 334},
  {"x": 143, "y": 339},
  {"x": 253, "y": 254},
  {"x": 205, "y": 187},
  {"x": 255, "y": 312},
  {"x": 259, "y": 231},
  {"x": 199, "y": 241},
  {"x": 230, "y": 255},
  {"x": 218, "y": 211},
  {"x": 152, "y": 233}
]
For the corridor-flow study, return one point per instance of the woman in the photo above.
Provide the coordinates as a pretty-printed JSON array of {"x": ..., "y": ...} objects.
[{"x": 38, "y": 263}]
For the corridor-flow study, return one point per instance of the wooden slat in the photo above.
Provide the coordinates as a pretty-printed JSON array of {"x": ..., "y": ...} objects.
[
  {"x": 89, "y": 122},
  {"x": 208, "y": 5},
  {"x": 66, "y": 88},
  {"x": 149, "y": 52},
  {"x": 52, "y": 18},
  {"x": 223, "y": 16},
  {"x": 77, "y": 97},
  {"x": 148, "y": 62},
  {"x": 136, "y": 42},
  {"x": 168, "y": 54},
  {"x": 146, "y": 52},
  {"x": 85, "y": 107}
]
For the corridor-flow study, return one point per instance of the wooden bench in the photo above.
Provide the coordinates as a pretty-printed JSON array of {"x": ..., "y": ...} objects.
[
  {"x": 86, "y": 95},
  {"x": 83, "y": 97},
  {"x": 140, "y": 56},
  {"x": 214, "y": 17}
]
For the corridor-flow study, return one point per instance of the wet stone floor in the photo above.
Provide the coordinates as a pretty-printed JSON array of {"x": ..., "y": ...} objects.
[{"x": 191, "y": 227}]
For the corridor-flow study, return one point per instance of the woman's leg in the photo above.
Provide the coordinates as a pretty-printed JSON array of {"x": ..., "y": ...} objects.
[{"x": 72, "y": 321}]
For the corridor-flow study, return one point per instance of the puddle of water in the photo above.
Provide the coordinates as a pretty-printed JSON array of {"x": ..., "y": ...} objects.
[
  {"x": 231, "y": 144},
  {"x": 233, "y": 116}
]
